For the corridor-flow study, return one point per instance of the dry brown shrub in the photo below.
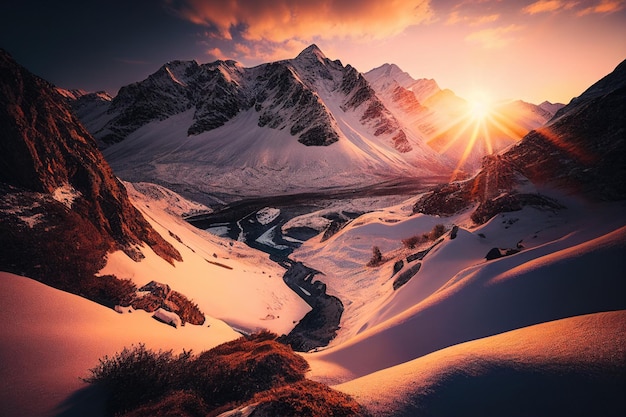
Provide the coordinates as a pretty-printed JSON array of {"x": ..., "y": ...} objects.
[
  {"x": 235, "y": 371},
  {"x": 188, "y": 311},
  {"x": 306, "y": 399},
  {"x": 175, "y": 404}
]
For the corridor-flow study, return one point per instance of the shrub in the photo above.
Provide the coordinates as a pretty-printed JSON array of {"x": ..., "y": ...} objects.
[
  {"x": 108, "y": 290},
  {"x": 436, "y": 232},
  {"x": 413, "y": 241},
  {"x": 136, "y": 376},
  {"x": 306, "y": 399},
  {"x": 235, "y": 371},
  {"x": 187, "y": 310},
  {"x": 140, "y": 381},
  {"x": 173, "y": 404},
  {"x": 377, "y": 257}
]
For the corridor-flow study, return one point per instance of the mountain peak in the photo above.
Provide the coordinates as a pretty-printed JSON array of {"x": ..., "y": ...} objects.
[{"x": 312, "y": 51}]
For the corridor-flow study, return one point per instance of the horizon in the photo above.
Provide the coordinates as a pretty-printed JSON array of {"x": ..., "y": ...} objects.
[{"x": 470, "y": 47}]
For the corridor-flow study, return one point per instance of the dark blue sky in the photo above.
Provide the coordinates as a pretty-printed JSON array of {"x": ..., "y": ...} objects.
[{"x": 95, "y": 45}]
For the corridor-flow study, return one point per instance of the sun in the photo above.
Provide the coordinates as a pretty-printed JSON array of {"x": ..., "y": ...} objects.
[
  {"x": 482, "y": 125},
  {"x": 479, "y": 110},
  {"x": 480, "y": 106}
]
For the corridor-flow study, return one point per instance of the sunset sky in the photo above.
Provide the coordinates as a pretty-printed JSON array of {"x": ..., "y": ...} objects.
[{"x": 527, "y": 49}]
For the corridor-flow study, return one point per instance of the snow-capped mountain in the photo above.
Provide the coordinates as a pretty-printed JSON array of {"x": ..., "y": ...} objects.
[
  {"x": 447, "y": 122},
  {"x": 90, "y": 108},
  {"x": 286, "y": 95},
  {"x": 219, "y": 128}
]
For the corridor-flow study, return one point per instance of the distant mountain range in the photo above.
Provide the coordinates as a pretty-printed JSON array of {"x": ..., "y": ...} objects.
[
  {"x": 288, "y": 126},
  {"x": 445, "y": 121}
]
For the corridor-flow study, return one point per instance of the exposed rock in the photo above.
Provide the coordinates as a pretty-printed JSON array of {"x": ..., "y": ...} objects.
[
  {"x": 405, "y": 276},
  {"x": 50, "y": 166},
  {"x": 397, "y": 266},
  {"x": 496, "y": 253},
  {"x": 156, "y": 296},
  {"x": 285, "y": 94}
]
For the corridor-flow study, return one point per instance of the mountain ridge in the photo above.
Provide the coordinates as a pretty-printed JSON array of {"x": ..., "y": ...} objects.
[{"x": 284, "y": 126}]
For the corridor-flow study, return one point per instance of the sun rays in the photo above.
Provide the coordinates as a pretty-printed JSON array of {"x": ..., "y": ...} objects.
[{"x": 483, "y": 127}]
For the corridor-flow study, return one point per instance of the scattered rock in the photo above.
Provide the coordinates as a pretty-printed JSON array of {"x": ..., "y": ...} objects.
[
  {"x": 405, "y": 276},
  {"x": 496, "y": 253}
]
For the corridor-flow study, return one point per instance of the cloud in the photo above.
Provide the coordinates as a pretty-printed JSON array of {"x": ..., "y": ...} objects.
[
  {"x": 217, "y": 54},
  {"x": 281, "y": 20},
  {"x": 494, "y": 38},
  {"x": 604, "y": 6},
  {"x": 544, "y": 6},
  {"x": 555, "y": 6},
  {"x": 456, "y": 17}
]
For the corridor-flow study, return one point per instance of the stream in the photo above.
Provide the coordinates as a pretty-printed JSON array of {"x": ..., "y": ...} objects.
[{"x": 259, "y": 222}]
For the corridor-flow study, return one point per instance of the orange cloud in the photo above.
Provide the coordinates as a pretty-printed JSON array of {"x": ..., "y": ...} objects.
[
  {"x": 543, "y": 6},
  {"x": 604, "y": 6},
  {"x": 494, "y": 38},
  {"x": 280, "y": 20},
  {"x": 217, "y": 54}
]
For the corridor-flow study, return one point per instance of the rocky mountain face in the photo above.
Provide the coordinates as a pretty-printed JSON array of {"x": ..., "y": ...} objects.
[
  {"x": 291, "y": 94},
  {"x": 582, "y": 149},
  {"x": 61, "y": 207}
]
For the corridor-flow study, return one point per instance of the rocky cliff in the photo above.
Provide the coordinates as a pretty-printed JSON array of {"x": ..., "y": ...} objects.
[{"x": 61, "y": 207}]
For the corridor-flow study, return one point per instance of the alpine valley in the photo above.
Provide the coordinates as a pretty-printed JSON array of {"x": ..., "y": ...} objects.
[{"x": 302, "y": 239}]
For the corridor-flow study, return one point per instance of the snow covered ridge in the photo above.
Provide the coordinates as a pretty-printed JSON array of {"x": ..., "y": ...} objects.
[
  {"x": 167, "y": 200},
  {"x": 220, "y": 126},
  {"x": 289, "y": 94}
]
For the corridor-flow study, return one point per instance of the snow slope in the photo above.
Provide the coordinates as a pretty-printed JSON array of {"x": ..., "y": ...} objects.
[
  {"x": 227, "y": 279},
  {"x": 572, "y": 366},
  {"x": 242, "y": 159},
  {"x": 53, "y": 338},
  {"x": 457, "y": 295},
  {"x": 50, "y": 339}
]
